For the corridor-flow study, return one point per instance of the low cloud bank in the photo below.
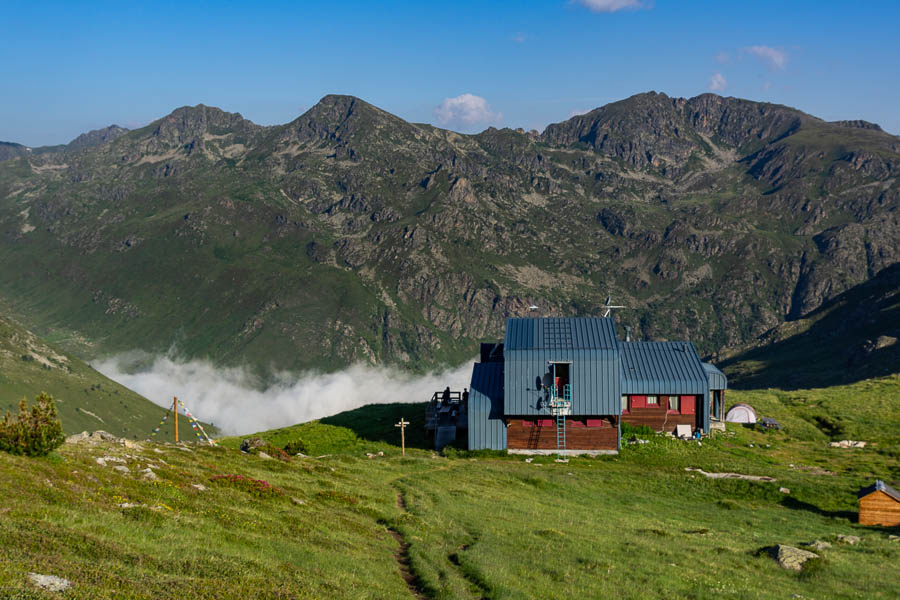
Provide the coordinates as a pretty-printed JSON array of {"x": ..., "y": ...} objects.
[{"x": 228, "y": 398}]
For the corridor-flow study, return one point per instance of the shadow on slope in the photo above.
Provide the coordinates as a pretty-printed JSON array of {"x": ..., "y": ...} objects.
[
  {"x": 375, "y": 422},
  {"x": 366, "y": 429},
  {"x": 849, "y": 338}
]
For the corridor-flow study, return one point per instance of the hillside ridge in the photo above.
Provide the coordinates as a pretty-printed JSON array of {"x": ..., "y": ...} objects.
[{"x": 350, "y": 234}]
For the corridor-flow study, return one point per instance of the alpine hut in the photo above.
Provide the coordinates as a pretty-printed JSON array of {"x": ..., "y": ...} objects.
[{"x": 565, "y": 385}]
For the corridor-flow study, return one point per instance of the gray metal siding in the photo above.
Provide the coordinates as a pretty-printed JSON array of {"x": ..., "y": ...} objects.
[
  {"x": 594, "y": 375},
  {"x": 487, "y": 429},
  {"x": 716, "y": 378}
]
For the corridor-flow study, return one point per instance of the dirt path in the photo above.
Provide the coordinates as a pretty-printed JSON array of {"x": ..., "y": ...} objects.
[{"x": 402, "y": 557}]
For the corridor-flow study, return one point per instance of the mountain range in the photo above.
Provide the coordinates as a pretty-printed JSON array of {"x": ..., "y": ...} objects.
[{"x": 350, "y": 234}]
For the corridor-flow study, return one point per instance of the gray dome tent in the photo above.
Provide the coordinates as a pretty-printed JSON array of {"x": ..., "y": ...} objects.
[{"x": 741, "y": 413}]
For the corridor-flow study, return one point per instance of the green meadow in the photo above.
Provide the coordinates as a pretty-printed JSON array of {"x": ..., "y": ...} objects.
[{"x": 338, "y": 524}]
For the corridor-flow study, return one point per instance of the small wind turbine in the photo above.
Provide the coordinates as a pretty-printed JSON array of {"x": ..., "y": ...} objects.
[{"x": 608, "y": 307}]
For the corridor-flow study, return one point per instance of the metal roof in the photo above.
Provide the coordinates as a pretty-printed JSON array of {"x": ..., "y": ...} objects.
[
  {"x": 662, "y": 367},
  {"x": 717, "y": 379},
  {"x": 879, "y": 486},
  {"x": 570, "y": 333}
]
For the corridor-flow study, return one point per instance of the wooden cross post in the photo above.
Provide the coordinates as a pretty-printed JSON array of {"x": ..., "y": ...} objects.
[
  {"x": 402, "y": 425},
  {"x": 175, "y": 408}
]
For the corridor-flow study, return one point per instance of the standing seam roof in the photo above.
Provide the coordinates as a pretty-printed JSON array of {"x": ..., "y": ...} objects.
[
  {"x": 571, "y": 333},
  {"x": 668, "y": 365}
]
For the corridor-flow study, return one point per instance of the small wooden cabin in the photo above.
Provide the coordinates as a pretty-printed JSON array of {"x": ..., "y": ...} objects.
[{"x": 879, "y": 504}]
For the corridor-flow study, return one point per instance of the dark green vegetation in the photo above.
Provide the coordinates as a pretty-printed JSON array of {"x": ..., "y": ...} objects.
[
  {"x": 851, "y": 337},
  {"x": 634, "y": 526},
  {"x": 350, "y": 234},
  {"x": 85, "y": 399},
  {"x": 34, "y": 431}
]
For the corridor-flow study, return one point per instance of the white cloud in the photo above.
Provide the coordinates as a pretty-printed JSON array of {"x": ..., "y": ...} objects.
[
  {"x": 611, "y": 6},
  {"x": 723, "y": 57},
  {"x": 228, "y": 398},
  {"x": 717, "y": 82},
  {"x": 466, "y": 110},
  {"x": 776, "y": 59}
]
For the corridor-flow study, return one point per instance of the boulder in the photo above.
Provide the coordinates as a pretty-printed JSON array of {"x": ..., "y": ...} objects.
[
  {"x": 249, "y": 444},
  {"x": 850, "y": 540},
  {"x": 262, "y": 454},
  {"x": 298, "y": 501},
  {"x": 121, "y": 469},
  {"x": 792, "y": 558},
  {"x": 199, "y": 486},
  {"x": 818, "y": 545},
  {"x": 149, "y": 475},
  {"x": 51, "y": 583},
  {"x": 78, "y": 437}
]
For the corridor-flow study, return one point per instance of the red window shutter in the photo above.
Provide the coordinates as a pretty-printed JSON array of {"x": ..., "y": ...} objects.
[
  {"x": 689, "y": 405},
  {"x": 595, "y": 422},
  {"x": 545, "y": 423},
  {"x": 639, "y": 402},
  {"x": 527, "y": 423},
  {"x": 576, "y": 423}
]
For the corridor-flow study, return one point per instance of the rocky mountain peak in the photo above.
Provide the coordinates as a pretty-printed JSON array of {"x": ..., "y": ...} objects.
[
  {"x": 96, "y": 137},
  {"x": 342, "y": 118}
]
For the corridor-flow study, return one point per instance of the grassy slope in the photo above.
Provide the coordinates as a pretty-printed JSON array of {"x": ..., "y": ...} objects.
[
  {"x": 86, "y": 400},
  {"x": 635, "y": 526}
]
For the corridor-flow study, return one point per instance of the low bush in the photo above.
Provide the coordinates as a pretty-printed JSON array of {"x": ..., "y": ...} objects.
[
  {"x": 255, "y": 487},
  {"x": 35, "y": 432},
  {"x": 274, "y": 451},
  {"x": 642, "y": 431},
  {"x": 295, "y": 447}
]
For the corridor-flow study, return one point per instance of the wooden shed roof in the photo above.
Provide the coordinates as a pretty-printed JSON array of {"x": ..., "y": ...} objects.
[{"x": 879, "y": 486}]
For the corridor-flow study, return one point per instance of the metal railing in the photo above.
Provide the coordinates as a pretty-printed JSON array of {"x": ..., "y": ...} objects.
[{"x": 437, "y": 402}]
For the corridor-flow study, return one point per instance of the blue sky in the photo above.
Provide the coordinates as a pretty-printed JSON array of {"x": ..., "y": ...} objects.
[{"x": 68, "y": 67}]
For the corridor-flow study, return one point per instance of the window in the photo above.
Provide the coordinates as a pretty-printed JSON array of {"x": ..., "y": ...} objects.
[
  {"x": 688, "y": 405},
  {"x": 652, "y": 401},
  {"x": 545, "y": 423},
  {"x": 638, "y": 402},
  {"x": 595, "y": 422},
  {"x": 576, "y": 423},
  {"x": 624, "y": 404},
  {"x": 674, "y": 404}
]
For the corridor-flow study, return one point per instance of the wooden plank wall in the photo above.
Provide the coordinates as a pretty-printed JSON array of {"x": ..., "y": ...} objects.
[
  {"x": 656, "y": 418},
  {"x": 879, "y": 509},
  {"x": 519, "y": 437}
]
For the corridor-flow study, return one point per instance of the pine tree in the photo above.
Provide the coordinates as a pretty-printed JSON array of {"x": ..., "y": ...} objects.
[{"x": 34, "y": 433}]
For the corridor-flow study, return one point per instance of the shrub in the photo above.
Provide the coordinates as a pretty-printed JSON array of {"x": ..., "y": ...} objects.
[
  {"x": 255, "y": 487},
  {"x": 35, "y": 432},
  {"x": 296, "y": 446},
  {"x": 643, "y": 431},
  {"x": 273, "y": 451}
]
